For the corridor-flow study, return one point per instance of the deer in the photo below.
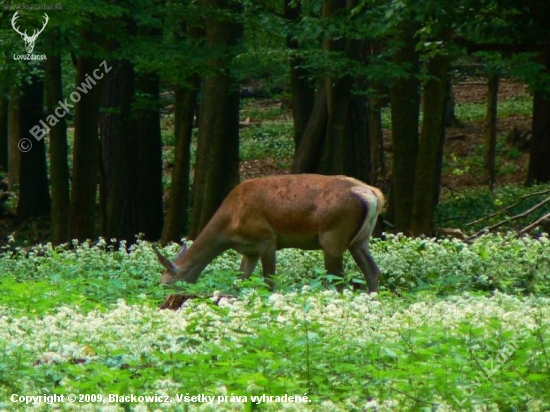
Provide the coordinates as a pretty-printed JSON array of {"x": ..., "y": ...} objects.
[
  {"x": 29, "y": 40},
  {"x": 306, "y": 211}
]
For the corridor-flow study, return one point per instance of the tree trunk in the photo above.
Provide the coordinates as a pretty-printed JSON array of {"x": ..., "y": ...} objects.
[
  {"x": 34, "y": 195},
  {"x": 405, "y": 106},
  {"x": 14, "y": 154},
  {"x": 427, "y": 176},
  {"x": 119, "y": 200},
  {"x": 338, "y": 133},
  {"x": 149, "y": 171},
  {"x": 178, "y": 201},
  {"x": 307, "y": 156},
  {"x": 539, "y": 166},
  {"x": 302, "y": 92},
  {"x": 378, "y": 166},
  {"x": 3, "y": 133},
  {"x": 85, "y": 174},
  {"x": 375, "y": 132},
  {"x": 450, "y": 114},
  {"x": 217, "y": 168},
  {"x": 59, "y": 168},
  {"x": 491, "y": 130}
]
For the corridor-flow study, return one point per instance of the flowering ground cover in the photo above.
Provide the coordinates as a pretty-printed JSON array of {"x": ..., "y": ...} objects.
[{"x": 454, "y": 327}]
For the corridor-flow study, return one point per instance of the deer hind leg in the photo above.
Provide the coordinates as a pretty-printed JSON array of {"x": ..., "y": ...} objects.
[
  {"x": 333, "y": 254},
  {"x": 248, "y": 264},
  {"x": 334, "y": 264},
  {"x": 361, "y": 254}
]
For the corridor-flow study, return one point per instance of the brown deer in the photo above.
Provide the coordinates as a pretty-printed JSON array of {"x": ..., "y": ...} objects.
[{"x": 260, "y": 216}]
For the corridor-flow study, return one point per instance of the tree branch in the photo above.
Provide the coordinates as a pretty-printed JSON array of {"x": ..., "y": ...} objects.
[{"x": 515, "y": 217}]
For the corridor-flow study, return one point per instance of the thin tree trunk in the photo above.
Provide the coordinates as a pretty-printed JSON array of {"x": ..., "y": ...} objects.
[
  {"x": 405, "y": 107},
  {"x": 14, "y": 154},
  {"x": 491, "y": 130},
  {"x": 450, "y": 114},
  {"x": 539, "y": 166},
  {"x": 307, "y": 157},
  {"x": 186, "y": 106},
  {"x": 302, "y": 92},
  {"x": 378, "y": 166},
  {"x": 426, "y": 183},
  {"x": 3, "y": 133},
  {"x": 34, "y": 195},
  {"x": 217, "y": 168},
  {"x": 375, "y": 129},
  {"x": 149, "y": 145},
  {"x": 59, "y": 168},
  {"x": 85, "y": 174},
  {"x": 178, "y": 201}
]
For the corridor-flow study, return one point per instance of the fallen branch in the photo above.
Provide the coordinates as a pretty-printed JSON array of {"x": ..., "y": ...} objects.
[
  {"x": 512, "y": 218},
  {"x": 535, "y": 224},
  {"x": 521, "y": 199}
]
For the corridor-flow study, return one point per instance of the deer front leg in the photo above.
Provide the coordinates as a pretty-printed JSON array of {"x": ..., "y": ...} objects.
[
  {"x": 248, "y": 264},
  {"x": 334, "y": 265},
  {"x": 363, "y": 258},
  {"x": 268, "y": 258}
]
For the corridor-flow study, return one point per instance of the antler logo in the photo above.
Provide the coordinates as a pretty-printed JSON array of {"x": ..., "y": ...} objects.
[{"x": 29, "y": 40}]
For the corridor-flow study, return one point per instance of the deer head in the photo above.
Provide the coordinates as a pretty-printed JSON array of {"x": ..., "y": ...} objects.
[
  {"x": 171, "y": 268},
  {"x": 29, "y": 40}
]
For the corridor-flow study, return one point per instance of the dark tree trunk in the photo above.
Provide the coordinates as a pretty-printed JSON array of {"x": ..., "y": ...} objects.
[
  {"x": 34, "y": 195},
  {"x": 217, "y": 168},
  {"x": 427, "y": 177},
  {"x": 450, "y": 114},
  {"x": 405, "y": 107},
  {"x": 302, "y": 91},
  {"x": 119, "y": 200},
  {"x": 378, "y": 166},
  {"x": 358, "y": 152},
  {"x": 178, "y": 201},
  {"x": 149, "y": 161},
  {"x": 539, "y": 166},
  {"x": 307, "y": 156},
  {"x": 3, "y": 133},
  {"x": 491, "y": 130},
  {"x": 14, "y": 154},
  {"x": 375, "y": 131},
  {"x": 85, "y": 174},
  {"x": 59, "y": 168}
]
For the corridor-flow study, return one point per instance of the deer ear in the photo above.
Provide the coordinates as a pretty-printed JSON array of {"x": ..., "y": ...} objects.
[
  {"x": 164, "y": 261},
  {"x": 182, "y": 251}
]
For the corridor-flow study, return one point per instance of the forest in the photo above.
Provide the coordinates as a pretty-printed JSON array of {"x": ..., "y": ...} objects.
[{"x": 125, "y": 124}]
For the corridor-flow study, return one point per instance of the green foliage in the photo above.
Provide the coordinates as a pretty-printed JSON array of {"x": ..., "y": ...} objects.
[
  {"x": 268, "y": 141},
  {"x": 85, "y": 321},
  {"x": 521, "y": 105}
]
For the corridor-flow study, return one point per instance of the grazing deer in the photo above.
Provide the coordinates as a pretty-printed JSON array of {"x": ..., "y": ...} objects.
[{"x": 260, "y": 216}]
